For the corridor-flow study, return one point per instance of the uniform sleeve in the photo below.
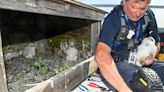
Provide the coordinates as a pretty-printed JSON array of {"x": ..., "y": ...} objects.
[
  {"x": 110, "y": 28},
  {"x": 155, "y": 28}
]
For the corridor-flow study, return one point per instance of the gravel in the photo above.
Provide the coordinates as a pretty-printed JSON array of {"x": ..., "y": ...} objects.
[{"x": 21, "y": 71}]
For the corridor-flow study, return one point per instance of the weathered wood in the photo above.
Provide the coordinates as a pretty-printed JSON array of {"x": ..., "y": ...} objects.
[
  {"x": 66, "y": 8},
  {"x": 67, "y": 80},
  {"x": 3, "y": 84},
  {"x": 70, "y": 9},
  {"x": 95, "y": 30}
]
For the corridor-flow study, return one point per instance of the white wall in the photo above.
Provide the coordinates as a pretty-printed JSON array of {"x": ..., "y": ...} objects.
[{"x": 159, "y": 12}]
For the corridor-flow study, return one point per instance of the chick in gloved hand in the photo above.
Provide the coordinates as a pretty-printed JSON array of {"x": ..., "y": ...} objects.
[{"x": 146, "y": 52}]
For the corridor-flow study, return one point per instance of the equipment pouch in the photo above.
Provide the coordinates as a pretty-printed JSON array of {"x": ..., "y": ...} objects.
[{"x": 146, "y": 80}]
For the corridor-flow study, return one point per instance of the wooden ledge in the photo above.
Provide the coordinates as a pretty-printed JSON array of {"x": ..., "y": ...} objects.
[
  {"x": 65, "y": 8},
  {"x": 67, "y": 80}
]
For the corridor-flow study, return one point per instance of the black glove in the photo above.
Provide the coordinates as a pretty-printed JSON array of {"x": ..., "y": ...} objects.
[{"x": 146, "y": 80}]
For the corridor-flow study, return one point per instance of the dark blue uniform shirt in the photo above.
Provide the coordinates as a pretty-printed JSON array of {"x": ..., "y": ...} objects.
[{"x": 112, "y": 26}]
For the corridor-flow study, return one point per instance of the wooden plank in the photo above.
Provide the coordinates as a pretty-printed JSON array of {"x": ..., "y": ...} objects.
[
  {"x": 64, "y": 8},
  {"x": 3, "y": 83},
  {"x": 95, "y": 31},
  {"x": 67, "y": 80}
]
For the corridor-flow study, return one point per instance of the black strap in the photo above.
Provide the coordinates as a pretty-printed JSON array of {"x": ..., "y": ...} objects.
[{"x": 119, "y": 59}]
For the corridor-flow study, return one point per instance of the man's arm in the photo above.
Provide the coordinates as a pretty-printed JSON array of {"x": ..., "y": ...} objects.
[{"x": 108, "y": 68}]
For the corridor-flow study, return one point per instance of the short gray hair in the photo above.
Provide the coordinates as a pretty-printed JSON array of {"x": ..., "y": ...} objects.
[{"x": 140, "y": 1}]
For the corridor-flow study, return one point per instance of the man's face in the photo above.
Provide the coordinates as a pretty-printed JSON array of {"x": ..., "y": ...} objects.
[{"x": 135, "y": 10}]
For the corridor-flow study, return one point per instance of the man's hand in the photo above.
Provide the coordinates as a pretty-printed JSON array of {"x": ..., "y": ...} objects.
[
  {"x": 108, "y": 68},
  {"x": 146, "y": 51},
  {"x": 147, "y": 60}
]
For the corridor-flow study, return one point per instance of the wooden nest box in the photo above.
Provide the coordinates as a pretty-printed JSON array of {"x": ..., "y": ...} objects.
[{"x": 50, "y": 17}]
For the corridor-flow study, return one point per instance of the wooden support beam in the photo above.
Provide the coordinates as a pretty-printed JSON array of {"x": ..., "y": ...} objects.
[
  {"x": 65, "y": 8},
  {"x": 3, "y": 83},
  {"x": 95, "y": 31},
  {"x": 67, "y": 80}
]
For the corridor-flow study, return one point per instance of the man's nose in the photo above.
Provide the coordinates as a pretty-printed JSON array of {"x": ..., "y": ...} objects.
[{"x": 138, "y": 13}]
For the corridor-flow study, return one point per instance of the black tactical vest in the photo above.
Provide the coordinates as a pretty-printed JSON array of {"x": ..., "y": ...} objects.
[{"x": 121, "y": 37}]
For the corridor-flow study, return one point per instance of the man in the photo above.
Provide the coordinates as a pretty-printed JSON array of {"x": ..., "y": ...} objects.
[{"x": 123, "y": 30}]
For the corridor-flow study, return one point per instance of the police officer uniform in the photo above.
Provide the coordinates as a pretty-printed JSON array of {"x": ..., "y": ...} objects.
[{"x": 116, "y": 34}]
